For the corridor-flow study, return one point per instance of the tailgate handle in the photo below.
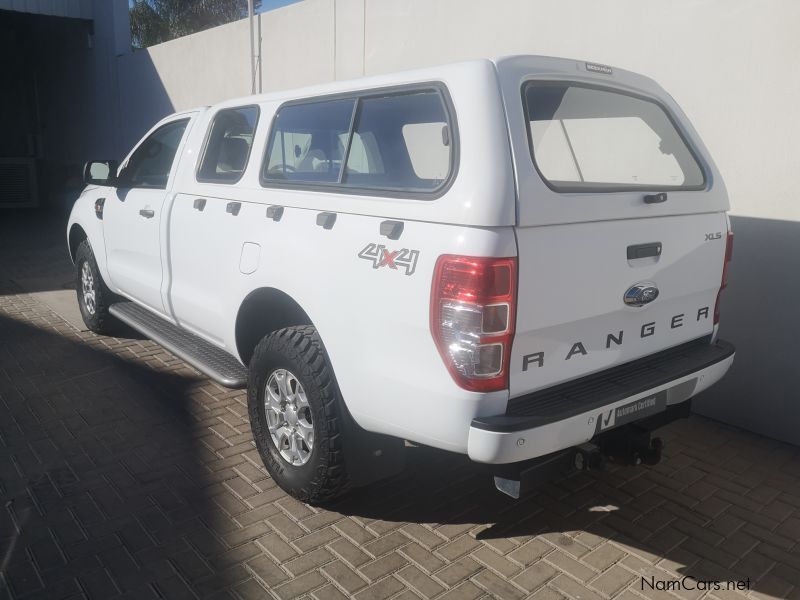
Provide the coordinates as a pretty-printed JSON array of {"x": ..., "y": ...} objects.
[
  {"x": 655, "y": 198},
  {"x": 644, "y": 250}
]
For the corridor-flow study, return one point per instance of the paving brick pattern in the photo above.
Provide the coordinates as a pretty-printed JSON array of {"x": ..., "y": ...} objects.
[{"x": 124, "y": 473}]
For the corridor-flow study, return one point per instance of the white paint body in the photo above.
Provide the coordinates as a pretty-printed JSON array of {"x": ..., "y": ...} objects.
[{"x": 195, "y": 267}]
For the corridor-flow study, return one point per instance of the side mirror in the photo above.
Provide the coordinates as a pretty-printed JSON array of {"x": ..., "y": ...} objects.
[{"x": 100, "y": 172}]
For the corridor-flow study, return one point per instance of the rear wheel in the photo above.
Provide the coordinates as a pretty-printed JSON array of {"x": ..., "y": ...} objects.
[
  {"x": 94, "y": 298},
  {"x": 293, "y": 402}
]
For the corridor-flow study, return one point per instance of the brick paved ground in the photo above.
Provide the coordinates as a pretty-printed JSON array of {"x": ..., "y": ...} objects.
[{"x": 124, "y": 473}]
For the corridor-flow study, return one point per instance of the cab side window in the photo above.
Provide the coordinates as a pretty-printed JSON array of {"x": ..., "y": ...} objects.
[
  {"x": 228, "y": 145},
  {"x": 151, "y": 162}
]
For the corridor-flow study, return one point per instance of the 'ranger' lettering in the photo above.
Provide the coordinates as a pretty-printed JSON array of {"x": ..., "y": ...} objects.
[{"x": 579, "y": 348}]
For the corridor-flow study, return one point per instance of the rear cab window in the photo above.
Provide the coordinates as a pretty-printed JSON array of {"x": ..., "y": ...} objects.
[
  {"x": 593, "y": 139},
  {"x": 399, "y": 142},
  {"x": 228, "y": 144}
]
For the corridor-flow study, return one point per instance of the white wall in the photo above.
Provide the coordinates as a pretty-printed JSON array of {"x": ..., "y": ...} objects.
[{"x": 731, "y": 65}]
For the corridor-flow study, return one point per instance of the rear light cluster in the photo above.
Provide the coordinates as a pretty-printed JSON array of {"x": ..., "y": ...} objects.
[
  {"x": 472, "y": 318},
  {"x": 724, "y": 284}
]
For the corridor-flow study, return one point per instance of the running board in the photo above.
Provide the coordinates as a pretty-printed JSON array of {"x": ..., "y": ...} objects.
[{"x": 202, "y": 355}]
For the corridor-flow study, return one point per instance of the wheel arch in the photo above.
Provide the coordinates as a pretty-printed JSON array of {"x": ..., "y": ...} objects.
[
  {"x": 263, "y": 311},
  {"x": 76, "y": 235}
]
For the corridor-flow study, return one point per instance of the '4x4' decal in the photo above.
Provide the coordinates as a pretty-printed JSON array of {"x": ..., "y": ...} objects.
[{"x": 380, "y": 257}]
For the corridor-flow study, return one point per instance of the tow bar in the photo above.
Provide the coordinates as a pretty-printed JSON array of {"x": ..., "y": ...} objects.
[{"x": 627, "y": 445}]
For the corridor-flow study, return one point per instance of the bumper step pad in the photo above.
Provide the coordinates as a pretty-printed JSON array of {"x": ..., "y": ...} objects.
[
  {"x": 609, "y": 386},
  {"x": 202, "y": 355}
]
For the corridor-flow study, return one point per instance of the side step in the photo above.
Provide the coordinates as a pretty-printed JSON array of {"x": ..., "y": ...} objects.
[{"x": 202, "y": 355}]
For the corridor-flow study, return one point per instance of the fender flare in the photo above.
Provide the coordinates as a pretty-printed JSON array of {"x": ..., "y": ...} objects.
[{"x": 84, "y": 223}]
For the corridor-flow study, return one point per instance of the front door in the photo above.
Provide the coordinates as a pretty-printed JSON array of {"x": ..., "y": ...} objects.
[{"x": 132, "y": 215}]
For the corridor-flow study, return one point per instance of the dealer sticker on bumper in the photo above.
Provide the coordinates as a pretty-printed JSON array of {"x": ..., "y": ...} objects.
[{"x": 632, "y": 411}]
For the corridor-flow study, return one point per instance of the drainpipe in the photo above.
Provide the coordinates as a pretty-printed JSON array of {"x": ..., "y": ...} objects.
[{"x": 252, "y": 48}]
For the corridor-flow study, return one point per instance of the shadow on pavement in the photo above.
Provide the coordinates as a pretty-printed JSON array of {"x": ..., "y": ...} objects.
[{"x": 101, "y": 485}]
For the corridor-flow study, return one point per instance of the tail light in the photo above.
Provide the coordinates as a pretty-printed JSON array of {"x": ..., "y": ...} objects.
[
  {"x": 724, "y": 284},
  {"x": 472, "y": 318}
]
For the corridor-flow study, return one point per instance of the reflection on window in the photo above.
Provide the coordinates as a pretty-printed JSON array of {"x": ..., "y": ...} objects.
[
  {"x": 430, "y": 157},
  {"x": 150, "y": 164},
  {"x": 585, "y": 138}
]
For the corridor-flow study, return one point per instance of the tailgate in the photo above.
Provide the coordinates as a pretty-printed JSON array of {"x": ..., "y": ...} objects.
[
  {"x": 572, "y": 319},
  {"x": 621, "y": 228}
]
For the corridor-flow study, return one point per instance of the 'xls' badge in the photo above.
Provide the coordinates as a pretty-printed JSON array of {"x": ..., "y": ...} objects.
[{"x": 380, "y": 257}]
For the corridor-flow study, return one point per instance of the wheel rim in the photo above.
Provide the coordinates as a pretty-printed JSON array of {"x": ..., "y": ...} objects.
[
  {"x": 289, "y": 417},
  {"x": 87, "y": 288}
]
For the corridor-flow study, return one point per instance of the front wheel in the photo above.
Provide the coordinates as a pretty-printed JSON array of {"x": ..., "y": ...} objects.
[
  {"x": 293, "y": 402},
  {"x": 94, "y": 298}
]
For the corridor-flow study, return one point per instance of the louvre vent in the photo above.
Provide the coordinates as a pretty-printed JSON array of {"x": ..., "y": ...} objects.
[{"x": 17, "y": 182}]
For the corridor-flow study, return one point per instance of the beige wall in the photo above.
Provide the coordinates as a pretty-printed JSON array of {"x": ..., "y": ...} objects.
[{"x": 731, "y": 65}]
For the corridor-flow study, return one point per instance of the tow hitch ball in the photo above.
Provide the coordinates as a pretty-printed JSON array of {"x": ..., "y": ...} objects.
[
  {"x": 588, "y": 457},
  {"x": 650, "y": 455}
]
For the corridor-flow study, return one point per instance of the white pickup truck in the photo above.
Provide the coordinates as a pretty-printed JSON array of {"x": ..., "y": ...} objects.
[{"x": 520, "y": 260}]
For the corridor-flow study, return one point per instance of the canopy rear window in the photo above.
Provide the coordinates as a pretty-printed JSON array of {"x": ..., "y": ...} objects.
[{"x": 592, "y": 139}]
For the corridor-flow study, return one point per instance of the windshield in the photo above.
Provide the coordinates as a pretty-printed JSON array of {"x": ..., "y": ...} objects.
[{"x": 590, "y": 139}]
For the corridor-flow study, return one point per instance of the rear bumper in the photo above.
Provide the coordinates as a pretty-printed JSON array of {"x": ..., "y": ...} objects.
[{"x": 573, "y": 413}]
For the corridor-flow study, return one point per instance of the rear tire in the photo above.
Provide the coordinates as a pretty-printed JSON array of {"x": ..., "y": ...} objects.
[
  {"x": 293, "y": 402},
  {"x": 94, "y": 298}
]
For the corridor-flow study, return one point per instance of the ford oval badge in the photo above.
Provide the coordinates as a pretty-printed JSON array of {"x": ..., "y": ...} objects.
[{"x": 640, "y": 294}]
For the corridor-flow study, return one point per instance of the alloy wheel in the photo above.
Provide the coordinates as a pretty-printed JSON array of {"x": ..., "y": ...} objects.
[{"x": 289, "y": 417}]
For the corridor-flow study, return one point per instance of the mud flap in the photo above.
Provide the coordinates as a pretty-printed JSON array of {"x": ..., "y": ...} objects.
[{"x": 369, "y": 457}]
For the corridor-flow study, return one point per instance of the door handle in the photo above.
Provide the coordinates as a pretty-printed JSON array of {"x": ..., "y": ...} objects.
[
  {"x": 147, "y": 213},
  {"x": 655, "y": 198},
  {"x": 652, "y": 249}
]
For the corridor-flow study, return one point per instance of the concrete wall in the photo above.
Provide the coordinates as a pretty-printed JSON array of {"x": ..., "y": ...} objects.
[{"x": 729, "y": 63}]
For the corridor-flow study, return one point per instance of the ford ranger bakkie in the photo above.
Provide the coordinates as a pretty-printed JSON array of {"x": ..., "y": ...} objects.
[{"x": 520, "y": 260}]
